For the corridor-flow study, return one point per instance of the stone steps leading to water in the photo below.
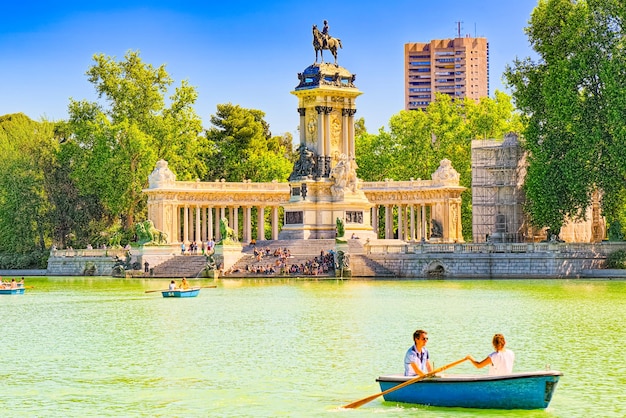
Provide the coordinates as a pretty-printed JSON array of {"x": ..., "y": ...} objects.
[
  {"x": 180, "y": 266},
  {"x": 302, "y": 251}
]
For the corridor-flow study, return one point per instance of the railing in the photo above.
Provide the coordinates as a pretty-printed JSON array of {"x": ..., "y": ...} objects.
[
  {"x": 70, "y": 252},
  {"x": 401, "y": 247}
]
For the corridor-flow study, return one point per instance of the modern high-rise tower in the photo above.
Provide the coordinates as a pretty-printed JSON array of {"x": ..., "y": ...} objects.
[{"x": 457, "y": 67}]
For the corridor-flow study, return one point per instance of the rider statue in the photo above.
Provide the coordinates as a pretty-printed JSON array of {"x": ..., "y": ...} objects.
[{"x": 325, "y": 33}]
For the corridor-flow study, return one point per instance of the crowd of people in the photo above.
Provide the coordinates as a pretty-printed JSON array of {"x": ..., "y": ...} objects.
[
  {"x": 194, "y": 249},
  {"x": 277, "y": 262}
]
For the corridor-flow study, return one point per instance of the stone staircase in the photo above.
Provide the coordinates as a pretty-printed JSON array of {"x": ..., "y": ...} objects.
[
  {"x": 188, "y": 266},
  {"x": 301, "y": 251}
]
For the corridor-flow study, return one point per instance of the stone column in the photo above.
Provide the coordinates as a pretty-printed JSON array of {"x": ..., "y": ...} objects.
[
  {"x": 186, "y": 224},
  {"x": 412, "y": 227},
  {"x": 375, "y": 219},
  {"x": 400, "y": 222},
  {"x": 423, "y": 221},
  {"x": 260, "y": 223},
  {"x": 320, "y": 131},
  {"x": 388, "y": 221},
  {"x": 235, "y": 225},
  {"x": 203, "y": 222},
  {"x": 198, "y": 238},
  {"x": 231, "y": 216},
  {"x": 247, "y": 224},
  {"x": 350, "y": 128},
  {"x": 459, "y": 224},
  {"x": 219, "y": 212},
  {"x": 345, "y": 132},
  {"x": 327, "y": 146},
  {"x": 274, "y": 222},
  {"x": 407, "y": 233},
  {"x": 209, "y": 222},
  {"x": 175, "y": 237},
  {"x": 302, "y": 112}
]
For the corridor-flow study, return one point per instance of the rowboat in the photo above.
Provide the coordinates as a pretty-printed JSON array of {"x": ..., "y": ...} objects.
[
  {"x": 181, "y": 293},
  {"x": 531, "y": 390},
  {"x": 14, "y": 291}
]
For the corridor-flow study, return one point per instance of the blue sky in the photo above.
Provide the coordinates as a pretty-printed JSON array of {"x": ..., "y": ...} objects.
[{"x": 239, "y": 51}]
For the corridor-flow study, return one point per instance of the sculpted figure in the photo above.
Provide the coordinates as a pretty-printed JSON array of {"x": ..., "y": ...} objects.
[
  {"x": 210, "y": 262},
  {"x": 436, "y": 230},
  {"x": 148, "y": 234},
  {"x": 344, "y": 176},
  {"x": 321, "y": 41},
  {"x": 228, "y": 234},
  {"x": 341, "y": 230},
  {"x": 306, "y": 164},
  {"x": 161, "y": 175},
  {"x": 342, "y": 260},
  {"x": 446, "y": 174}
]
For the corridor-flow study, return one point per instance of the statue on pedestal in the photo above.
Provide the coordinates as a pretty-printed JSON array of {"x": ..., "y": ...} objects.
[{"x": 322, "y": 40}]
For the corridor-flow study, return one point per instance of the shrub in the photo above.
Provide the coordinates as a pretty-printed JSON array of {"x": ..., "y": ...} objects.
[{"x": 616, "y": 260}]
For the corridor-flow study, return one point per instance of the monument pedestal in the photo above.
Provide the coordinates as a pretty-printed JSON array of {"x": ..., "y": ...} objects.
[
  {"x": 227, "y": 255},
  {"x": 314, "y": 216}
]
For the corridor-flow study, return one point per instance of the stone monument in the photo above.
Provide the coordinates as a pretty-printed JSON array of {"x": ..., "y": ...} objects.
[{"x": 323, "y": 184}]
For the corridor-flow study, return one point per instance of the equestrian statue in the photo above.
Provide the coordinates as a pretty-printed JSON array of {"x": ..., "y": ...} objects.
[{"x": 322, "y": 40}]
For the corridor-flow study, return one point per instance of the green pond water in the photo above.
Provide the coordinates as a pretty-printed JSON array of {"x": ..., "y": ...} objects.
[{"x": 75, "y": 347}]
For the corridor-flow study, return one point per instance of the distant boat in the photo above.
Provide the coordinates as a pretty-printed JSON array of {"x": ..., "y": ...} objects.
[
  {"x": 532, "y": 390},
  {"x": 14, "y": 291},
  {"x": 181, "y": 293}
]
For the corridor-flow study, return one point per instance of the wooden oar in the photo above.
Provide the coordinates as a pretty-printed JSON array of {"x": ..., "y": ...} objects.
[
  {"x": 209, "y": 287},
  {"x": 160, "y": 290},
  {"x": 363, "y": 401}
]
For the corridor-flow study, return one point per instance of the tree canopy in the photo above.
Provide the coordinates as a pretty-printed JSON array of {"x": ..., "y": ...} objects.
[
  {"x": 25, "y": 149},
  {"x": 574, "y": 101},
  {"x": 417, "y": 141},
  {"x": 121, "y": 139},
  {"x": 244, "y": 149}
]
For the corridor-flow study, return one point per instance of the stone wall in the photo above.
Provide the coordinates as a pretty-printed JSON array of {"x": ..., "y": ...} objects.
[
  {"x": 545, "y": 260},
  {"x": 398, "y": 259},
  {"x": 74, "y": 262}
]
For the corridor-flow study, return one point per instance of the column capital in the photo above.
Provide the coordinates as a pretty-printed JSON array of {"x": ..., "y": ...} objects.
[
  {"x": 348, "y": 112},
  {"x": 324, "y": 109},
  {"x": 302, "y": 111}
]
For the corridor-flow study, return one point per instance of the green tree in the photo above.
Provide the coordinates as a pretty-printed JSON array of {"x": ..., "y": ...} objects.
[
  {"x": 417, "y": 141},
  {"x": 25, "y": 147},
  {"x": 243, "y": 147},
  {"x": 120, "y": 140},
  {"x": 573, "y": 98}
]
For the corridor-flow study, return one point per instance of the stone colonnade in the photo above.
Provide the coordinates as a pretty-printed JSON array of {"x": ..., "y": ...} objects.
[
  {"x": 190, "y": 211},
  {"x": 415, "y": 207},
  {"x": 201, "y": 222}
]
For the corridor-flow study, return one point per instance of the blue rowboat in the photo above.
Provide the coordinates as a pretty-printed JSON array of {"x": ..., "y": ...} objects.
[
  {"x": 532, "y": 390},
  {"x": 15, "y": 291},
  {"x": 181, "y": 293}
]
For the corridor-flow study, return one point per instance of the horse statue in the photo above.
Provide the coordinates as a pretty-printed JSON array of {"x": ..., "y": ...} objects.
[
  {"x": 147, "y": 234},
  {"x": 332, "y": 44},
  {"x": 228, "y": 234}
]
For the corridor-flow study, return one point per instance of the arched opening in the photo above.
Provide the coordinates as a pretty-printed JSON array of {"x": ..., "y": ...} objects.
[{"x": 435, "y": 270}]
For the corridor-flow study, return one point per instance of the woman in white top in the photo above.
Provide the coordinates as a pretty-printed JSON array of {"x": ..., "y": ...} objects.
[{"x": 500, "y": 361}]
